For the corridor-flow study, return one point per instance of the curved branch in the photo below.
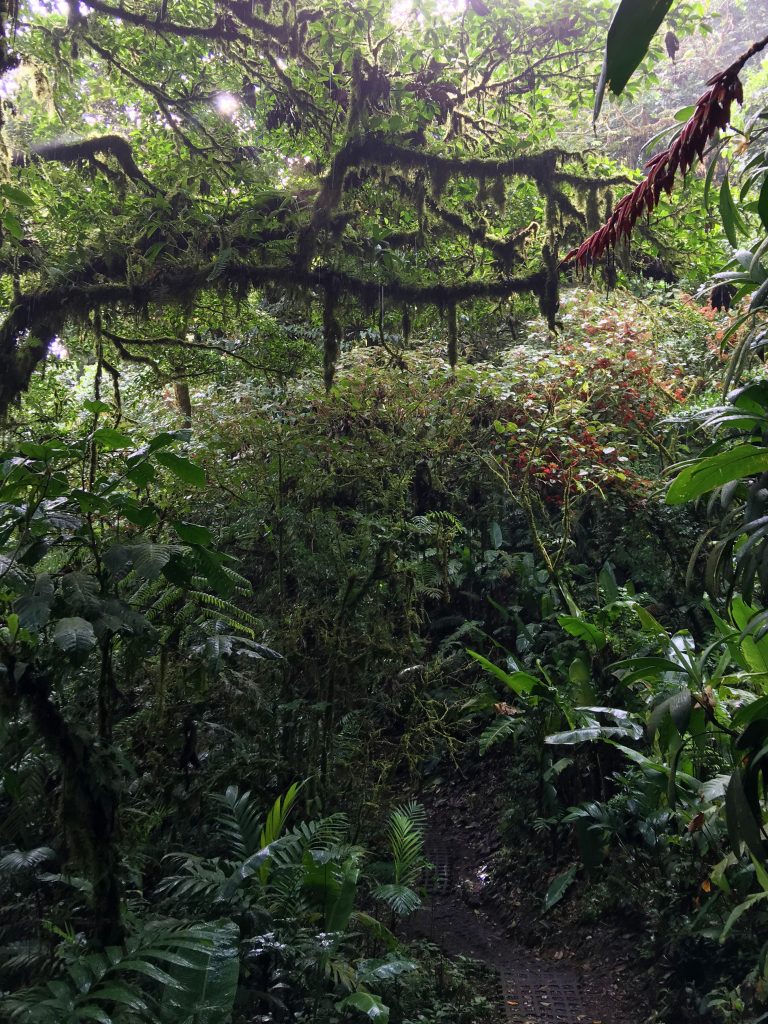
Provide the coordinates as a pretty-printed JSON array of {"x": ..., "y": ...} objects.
[
  {"x": 38, "y": 317},
  {"x": 87, "y": 149}
]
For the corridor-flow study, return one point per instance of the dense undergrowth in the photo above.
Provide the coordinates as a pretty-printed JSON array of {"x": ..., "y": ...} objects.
[
  {"x": 288, "y": 594},
  {"x": 338, "y": 471}
]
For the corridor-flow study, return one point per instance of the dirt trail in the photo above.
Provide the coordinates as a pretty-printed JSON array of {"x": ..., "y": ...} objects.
[{"x": 531, "y": 989}]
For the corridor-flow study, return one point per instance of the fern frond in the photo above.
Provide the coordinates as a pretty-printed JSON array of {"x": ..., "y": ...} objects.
[
  {"x": 401, "y": 898},
  {"x": 25, "y": 860},
  {"x": 227, "y": 609},
  {"x": 238, "y": 820},
  {"x": 406, "y": 838}
]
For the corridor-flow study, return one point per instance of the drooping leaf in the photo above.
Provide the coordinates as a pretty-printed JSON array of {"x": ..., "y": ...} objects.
[
  {"x": 560, "y": 886},
  {"x": 111, "y": 440},
  {"x": 207, "y": 987},
  {"x": 192, "y": 534},
  {"x": 520, "y": 682},
  {"x": 583, "y": 630},
  {"x": 745, "y": 460},
  {"x": 182, "y": 468},
  {"x": 503, "y": 727},
  {"x": 74, "y": 636},
  {"x": 367, "y": 1003},
  {"x": 762, "y": 202},
  {"x": 729, "y": 214},
  {"x": 633, "y": 27}
]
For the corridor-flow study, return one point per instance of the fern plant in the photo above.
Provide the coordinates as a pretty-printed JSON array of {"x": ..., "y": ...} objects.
[
  {"x": 157, "y": 973},
  {"x": 405, "y": 832}
]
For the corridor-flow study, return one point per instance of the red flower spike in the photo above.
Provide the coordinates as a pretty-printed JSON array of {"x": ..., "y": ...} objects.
[{"x": 712, "y": 113}]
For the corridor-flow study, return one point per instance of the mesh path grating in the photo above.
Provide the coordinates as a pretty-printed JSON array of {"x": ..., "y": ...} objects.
[
  {"x": 438, "y": 880},
  {"x": 542, "y": 996},
  {"x": 529, "y": 991}
]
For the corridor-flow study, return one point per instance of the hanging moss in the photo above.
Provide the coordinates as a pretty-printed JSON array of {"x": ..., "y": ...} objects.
[
  {"x": 592, "y": 210},
  {"x": 499, "y": 193},
  {"x": 439, "y": 176},
  {"x": 549, "y": 295}
]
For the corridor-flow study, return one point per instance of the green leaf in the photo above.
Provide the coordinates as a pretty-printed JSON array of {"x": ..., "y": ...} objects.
[
  {"x": 742, "y": 823},
  {"x": 578, "y": 672},
  {"x": 13, "y": 225},
  {"x": 593, "y": 732},
  {"x": 149, "y": 560},
  {"x": 685, "y": 113},
  {"x": 762, "y": 202},
  {"x": 633, "y": 27},
  {"x": 142, "y": 474},
  {"x": 182, "y": 468},
  {"x": 111, "y": 440},
  {"x": 139, "y": 515},
  {"x": 559, "y": 887},
  {"x": 206, "y": 988},
  {"x": 499, "y": 730},
  {"x": 192, "y": 534},
  {"x": 520, "y": 682},
  {"x": 742, "y": 908},
  {"x": 745, "y": 460},
  {"x": 680, "y": 708},
  {"x": 33, "y": 611},
  {"x": 74, "y": 636},
  {"x": 94, "y": 405},
  {"x": 730, "y": 216},
  {"x": 16, "y": 196},
  {"x": 583, "y": 630},
  {"x": 368, "y": 1004}
]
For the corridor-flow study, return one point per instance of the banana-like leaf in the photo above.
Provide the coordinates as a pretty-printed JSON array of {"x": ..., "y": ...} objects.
[
  {"x": 745, "y": 460},
  {"x": 633, "y": 27}
]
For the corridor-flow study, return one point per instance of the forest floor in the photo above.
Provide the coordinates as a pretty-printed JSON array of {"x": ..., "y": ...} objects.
[{"x": 562, "y": 974}]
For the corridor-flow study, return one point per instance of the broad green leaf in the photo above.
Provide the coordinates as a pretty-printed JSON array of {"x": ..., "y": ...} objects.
[
  {"x": 205, "y": 990},
  {"x": 111, "y": 440},
  {"x": 583, "y": 630},
  {"x": 366, "y": 1003},
  {"x": 16, "y": 196},
  {"x": 737, "y": 912},
  {"x": 745, "y": 460},
  {"x": 729, "y": 214},
  {"x": 74, "y": 636},
  {"x": 192, "y": 534},
  {"x": 520, "y": 682},
  {"x": 588, "y": 733},
  {"x": 142, "y": 474},
  {"x": 633, "y": 27},
  {"x": 13, "y": 225},
  {"x": 559, "y": 887},
  {"x": 762, "y": 203},
  {"x": 499, "y": 730},
  {"x": 95, "y": 405},
  {"x": 742, "y": 823},
  {"x": 149, "y": 560},
  {"x": 182, "y": 468}
]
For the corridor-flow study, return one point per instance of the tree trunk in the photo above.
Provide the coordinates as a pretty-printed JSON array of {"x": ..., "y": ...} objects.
[
  {"x": 183, "y": 401},
  {"x": 89, "y": 799}
]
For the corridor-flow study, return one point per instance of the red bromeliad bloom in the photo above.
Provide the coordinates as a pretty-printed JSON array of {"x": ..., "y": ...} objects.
[{"x": 713, "y": 111}]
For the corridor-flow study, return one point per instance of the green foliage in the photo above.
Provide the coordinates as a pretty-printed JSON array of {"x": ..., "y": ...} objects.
[{"x": 633, "y": 27}]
